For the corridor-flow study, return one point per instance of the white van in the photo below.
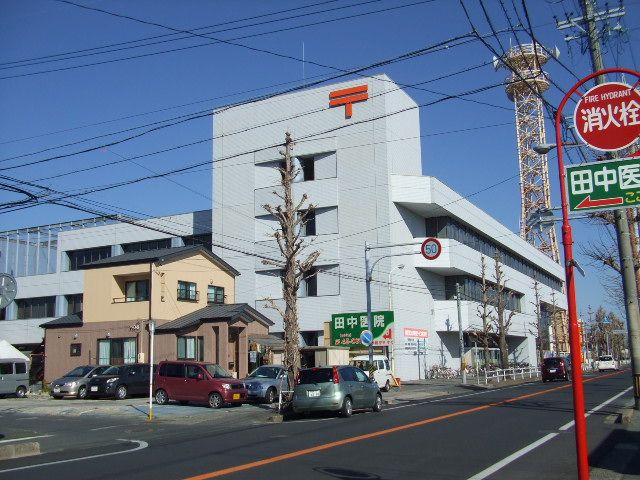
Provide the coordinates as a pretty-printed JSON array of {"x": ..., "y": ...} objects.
[
  {"x": 14, "y": 377},
  {"x": 382, "y": 375}
]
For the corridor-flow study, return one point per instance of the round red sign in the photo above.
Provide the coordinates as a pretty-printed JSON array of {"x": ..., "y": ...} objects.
[
  {"x": 607, "y": 117},
  {"x": 431, "y": 248}
]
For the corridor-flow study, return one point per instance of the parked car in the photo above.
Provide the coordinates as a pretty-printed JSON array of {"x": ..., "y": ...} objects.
[
  {"x": 197, "y": 382},
  {"x": 14, "y": 377},
  {"x": 554, "y": 368},
  {"x": 606, "y": 362},
  {"x": 382, "y": 373},
  {"x": 340, "y": 389},
  {"x": 265, "y": 383},
  {"x": 120, "y": 381},
  {"x": 74, "y": 383}
]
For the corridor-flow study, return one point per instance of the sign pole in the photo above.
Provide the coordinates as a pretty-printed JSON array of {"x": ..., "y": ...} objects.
[
  {"x": 368, "y": 274},
  {"x": 152, "y": 330},
  {"x": 567, "y": 241},
  {"x": 463, "y": 370}
]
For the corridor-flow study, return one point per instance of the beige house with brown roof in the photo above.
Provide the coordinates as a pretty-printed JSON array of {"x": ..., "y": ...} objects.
[{"x": 188, "y": 292}]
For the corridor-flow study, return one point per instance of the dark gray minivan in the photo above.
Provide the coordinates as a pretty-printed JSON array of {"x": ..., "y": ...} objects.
[{"x": 14, "y": 377}]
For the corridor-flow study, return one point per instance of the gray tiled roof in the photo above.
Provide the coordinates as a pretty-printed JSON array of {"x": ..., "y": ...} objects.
[
  {"x": 73, "y": 320},
  {"x": 163, "y": 255},
  {"x": 221, "y": 312}
]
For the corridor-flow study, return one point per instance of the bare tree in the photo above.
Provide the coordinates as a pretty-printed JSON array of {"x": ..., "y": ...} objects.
[
  {"x": 535, "y": 328},
  {"x": 501, "y": 319},
  {"x": 292, "y": 217},
  {"x": 484, "y": 312}
]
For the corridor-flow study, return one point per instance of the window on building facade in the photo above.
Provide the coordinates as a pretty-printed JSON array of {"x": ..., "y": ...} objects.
[
  {"x": 187, "y": 291},
  {"x": 201, "y": 240},
  {"x": 75, "y": 349},
  {"x": 471, "y": 289},
  {"x": 309, "y": 228},
  {"x": 308, "y": 168},
  {"x": 74, "y": 303},
  {"x": 309, "y": 284},
  {"x": 77, "y": 258},
  {"x": 38, "y": 307},
  {"x": 446, "y": 227},
  {"x": 136, "y": 291},
  {"x": 190, "y": 348},
  {"x": 215, "y": 294},
  {"x": 117, "y": 351},
  {"x": 146, "y": 246}
]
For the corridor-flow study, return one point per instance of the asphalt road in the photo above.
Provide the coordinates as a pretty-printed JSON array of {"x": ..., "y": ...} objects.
[{"x": 452, "y": 437}]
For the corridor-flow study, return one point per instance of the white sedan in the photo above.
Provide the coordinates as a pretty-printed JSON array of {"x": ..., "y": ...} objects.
[{"x": 606, "y": 362}]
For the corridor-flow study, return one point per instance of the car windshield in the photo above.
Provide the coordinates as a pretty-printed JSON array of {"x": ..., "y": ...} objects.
[
  {"x": 315, "y": 375},
  {"x": 114, "y": 371},
  {"x": 78, "y": 372},
  {"x": 216, "y": 371},
  {"x": 265, "y": 372},
  {"x": 552, "y": 362}
]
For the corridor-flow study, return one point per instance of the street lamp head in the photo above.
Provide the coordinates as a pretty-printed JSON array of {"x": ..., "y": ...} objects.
[{"x": 543, "y": 148}]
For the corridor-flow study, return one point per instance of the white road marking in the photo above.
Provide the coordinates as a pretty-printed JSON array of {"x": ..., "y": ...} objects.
[
  {"x": 514, "y": 456},
  {"x": 567, "y": 426},
  {"x": 110, "y": 426},
  {"x": 24, "y": 438},
  {"x": 141, "y": 445}
]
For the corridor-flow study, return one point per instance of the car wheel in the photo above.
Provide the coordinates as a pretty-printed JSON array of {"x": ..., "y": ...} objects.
[
  {"x": 387, "y": 386},
  {"x": 215, "y": 400},
  {"x": 21, "y": 392},
  {"x": 82, "y": 392},
  {"x": 270, "y": 396},
  {"x": 377, "y": 407},
  {"x": 347, "y": 407},
  {"x": 121, "y": 392},
  {"x": 161, "y": 397},
  {"x": 544, "y": 380}
]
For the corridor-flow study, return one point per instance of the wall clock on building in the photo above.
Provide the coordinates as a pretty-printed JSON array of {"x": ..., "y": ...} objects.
[{"x": 8, "y": 289}]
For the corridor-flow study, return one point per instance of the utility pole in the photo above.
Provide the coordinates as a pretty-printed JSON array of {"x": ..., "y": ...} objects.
[
  {"x": 536, "y": 290},
  {"x": 463, "y": 370},
  {"x": 589, "y": 19}
]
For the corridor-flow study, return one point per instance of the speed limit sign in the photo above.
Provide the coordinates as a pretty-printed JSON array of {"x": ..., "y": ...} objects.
[{"x": 431, "y": 248}]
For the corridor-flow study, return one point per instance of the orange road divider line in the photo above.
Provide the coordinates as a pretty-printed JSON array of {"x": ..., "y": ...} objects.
[{"x": 379, "y": 433}]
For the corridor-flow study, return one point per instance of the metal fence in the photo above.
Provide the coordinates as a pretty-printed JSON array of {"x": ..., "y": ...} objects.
[{"x": 502, "y": 375}]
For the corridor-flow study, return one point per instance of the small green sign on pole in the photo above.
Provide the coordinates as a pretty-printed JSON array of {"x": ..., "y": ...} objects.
[
  {"x": 604, "y": 185},
  {"x": 347, "y": 328}
]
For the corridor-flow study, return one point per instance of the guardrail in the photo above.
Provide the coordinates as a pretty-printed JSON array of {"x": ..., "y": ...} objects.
[{"x": 500, "y": 374}]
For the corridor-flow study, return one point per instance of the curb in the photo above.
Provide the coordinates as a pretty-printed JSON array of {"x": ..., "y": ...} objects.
[
  {"x": 19, "y": 450},
  {"x": 626, "y": 415}
]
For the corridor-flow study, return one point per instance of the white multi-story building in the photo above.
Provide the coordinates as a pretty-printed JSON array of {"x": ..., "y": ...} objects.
[
  {"x": 46, "y": 261},
  {"x": 360, "y": 165}
]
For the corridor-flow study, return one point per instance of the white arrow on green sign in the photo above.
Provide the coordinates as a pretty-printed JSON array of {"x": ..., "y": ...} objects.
[{"x": 604, "y": 185}]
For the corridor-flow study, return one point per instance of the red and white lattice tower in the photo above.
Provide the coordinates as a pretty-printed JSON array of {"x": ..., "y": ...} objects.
[{"x": 524, "y": 87}]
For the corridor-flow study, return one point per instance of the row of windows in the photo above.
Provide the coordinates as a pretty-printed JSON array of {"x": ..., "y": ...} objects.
[
  {"x": 77, "y": 258},
  {"x": 37, "y": 307},
  {"x": 446, "y": 227},
  {"x": 146, "y": 246},
  {"x": 188, "y": 291},
  {"x": 471, "y": 289}
]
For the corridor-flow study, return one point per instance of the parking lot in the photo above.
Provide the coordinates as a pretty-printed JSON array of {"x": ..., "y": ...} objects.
[{"x": 37, "y": 405}]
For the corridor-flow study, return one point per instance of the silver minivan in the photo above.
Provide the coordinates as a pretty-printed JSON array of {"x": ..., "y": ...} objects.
[{"x": 14, "y": 377}]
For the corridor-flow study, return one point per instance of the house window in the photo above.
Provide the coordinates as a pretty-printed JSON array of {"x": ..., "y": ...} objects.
[
  {"x": 146, "y": 246},
  {"x": 77, "y": 258},
  {"x": 215, "y": 294},
  {"x": 74, "y": 303},
  {"x": 137, "y": 291},
  {"x": 190, "y": 348},
  {"x": 75, "y": 349},
  {"x": 38, "y": 307},
  {"x": 187, "y": 291},
  {"x": 117, "y": 351},
  {"x": 309, "y": 227}
]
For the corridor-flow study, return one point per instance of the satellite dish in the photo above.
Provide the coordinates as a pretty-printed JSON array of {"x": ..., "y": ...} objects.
[{"x": 8, "y": 289}]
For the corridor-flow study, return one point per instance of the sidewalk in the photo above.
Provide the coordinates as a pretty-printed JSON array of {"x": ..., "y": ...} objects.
[{"x": 618, "y": 457}]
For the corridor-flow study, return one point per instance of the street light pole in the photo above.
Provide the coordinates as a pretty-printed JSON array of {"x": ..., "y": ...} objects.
[
  {"x": 393, "y": 325},
  {"x": 368, "y": 274}
]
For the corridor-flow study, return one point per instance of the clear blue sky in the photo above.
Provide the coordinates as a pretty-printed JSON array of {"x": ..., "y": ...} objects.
[{"x": 470, "y": 145}]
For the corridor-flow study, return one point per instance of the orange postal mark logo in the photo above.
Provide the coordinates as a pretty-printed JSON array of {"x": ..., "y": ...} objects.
[{"x": 348, "y": 97}]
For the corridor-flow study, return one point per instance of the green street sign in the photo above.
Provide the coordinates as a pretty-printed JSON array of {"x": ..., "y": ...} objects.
[
  {"x": 346, "y": 328},
  {"x": 604, "y": 185}
]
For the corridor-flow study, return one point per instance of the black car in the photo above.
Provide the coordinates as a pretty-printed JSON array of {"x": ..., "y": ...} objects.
[{"x": 120, "y": 381}]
